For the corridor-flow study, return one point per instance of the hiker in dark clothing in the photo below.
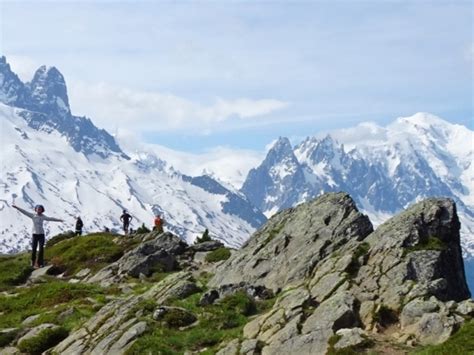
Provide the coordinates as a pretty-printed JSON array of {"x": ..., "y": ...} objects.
[
  {"x": 38, "y": 233},
  {"x": 125, "y": 218},
  {"x": 79, "y": 225}
]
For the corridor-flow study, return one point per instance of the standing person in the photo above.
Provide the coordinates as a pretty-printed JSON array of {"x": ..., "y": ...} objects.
[
  {"x": 38, "y": 233},
  {"x": 158, "y": 224},
  {"x": 125, "y": 218},
  {"x": 79, "y": 225}
]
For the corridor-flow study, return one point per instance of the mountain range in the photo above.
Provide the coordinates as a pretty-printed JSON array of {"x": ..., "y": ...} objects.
[
  {"x": 74, "y": 168},
  {"x": 66, "y": 163},
  {"x": 385, "y": 169}
]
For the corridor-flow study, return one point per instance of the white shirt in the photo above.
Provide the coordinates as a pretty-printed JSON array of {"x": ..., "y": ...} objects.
[{"x": 38, "y": 220}]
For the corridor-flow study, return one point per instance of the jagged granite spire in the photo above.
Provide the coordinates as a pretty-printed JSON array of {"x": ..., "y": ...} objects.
[
  {"x": 49, "y": 92},
  {"x": 12, "y": 91},
  {"x": 46, "y": 107}
]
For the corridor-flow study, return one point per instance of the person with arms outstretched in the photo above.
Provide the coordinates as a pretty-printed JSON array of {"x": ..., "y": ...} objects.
[
  {"x": 125, "y": 218},
  {"x": 38, "y": 219}
]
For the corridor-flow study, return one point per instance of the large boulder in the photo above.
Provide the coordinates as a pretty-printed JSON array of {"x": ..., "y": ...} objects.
[
  {"x": 159, "y": 252},
  {"x": 292, "y": 244},
  {"x": 340, "y": 277}
]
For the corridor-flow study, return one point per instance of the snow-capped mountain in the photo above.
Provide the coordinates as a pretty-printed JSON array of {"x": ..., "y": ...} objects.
[
  {"x": 64, "y": 162},
  {"x": 385, "y": 169}
]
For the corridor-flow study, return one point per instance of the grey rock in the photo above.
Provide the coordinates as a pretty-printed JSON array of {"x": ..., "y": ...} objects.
[
  {"x": 288, "y": 248},
  {"x": 415, "y": 309},
  {"x": 466, "y": 308},
  {"x": 207, "y": 246},
  {"x": 34, "y": 332},
  {"x": 350, "y": 337},
  {"x": 327, "y": 285},
  {"x": 31, "y": 319},
  {"x": 308, "y": 344},
  {"x": 38, "y": 274},
  {"x": 83, "y": 273},
  {"x": 128, "y": 337},
  {"x": 9, "y": 350},
  {"x": 66, "y": 314},
  {"x": 232, "y": 348},
  {"x": 433, "y": 328},
  {"x": 250, "y": 347},
  {"x": 335, "y": 313}
]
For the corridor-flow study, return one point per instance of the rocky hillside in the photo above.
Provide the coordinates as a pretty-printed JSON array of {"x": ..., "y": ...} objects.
[{"x": 316, "y": 279}]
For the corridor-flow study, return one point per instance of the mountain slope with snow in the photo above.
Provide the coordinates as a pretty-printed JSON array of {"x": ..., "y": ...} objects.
[
  {"x": 385, "y": 169},
  {"x": 42, "y": 167},
  {"x": 66, "y": 163}
]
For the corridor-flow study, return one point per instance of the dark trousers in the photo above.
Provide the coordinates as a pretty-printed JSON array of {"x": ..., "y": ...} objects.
[{"x": 38, "y": 240}]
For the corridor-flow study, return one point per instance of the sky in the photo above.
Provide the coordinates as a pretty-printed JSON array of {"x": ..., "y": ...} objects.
[{"x": 198, "y": 76}]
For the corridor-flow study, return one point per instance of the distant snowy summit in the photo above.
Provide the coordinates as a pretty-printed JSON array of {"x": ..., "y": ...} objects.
[
  {"x": 46, "y": 108},
  {"x": 385, "y": 169},
  {"x": 65, "y": 162}
]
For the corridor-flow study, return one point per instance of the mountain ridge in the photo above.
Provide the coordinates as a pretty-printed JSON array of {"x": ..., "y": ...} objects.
[{"x": 74, "y": 168}]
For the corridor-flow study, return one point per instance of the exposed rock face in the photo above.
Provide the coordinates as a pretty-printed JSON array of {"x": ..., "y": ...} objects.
[
  {"x": 116, "y": 326},
  {"x": 342, "y": 278},
  {"x": 158, "y": 252},
  {"x": 292, "y": 244}
]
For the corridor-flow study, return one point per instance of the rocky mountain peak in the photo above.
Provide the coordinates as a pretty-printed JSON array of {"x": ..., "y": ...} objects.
[
  {"x": 281, "y": 149},
  {"x": 49, "y": 91},
  {"x": 12, "y": 90}
]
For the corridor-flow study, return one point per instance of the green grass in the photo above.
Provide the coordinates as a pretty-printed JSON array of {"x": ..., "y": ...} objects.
[
  {"x": 92, "y": 251},
  {"x": 14, "y": 270},
  {"x": 431, "y": 243},
  {"x": 59, "y": 238},
  {"x": 43, "y": 341},
  {"x": 460, "y": 343},
  {"x": 218, "y": 255},
  {"x": 49, "y": 299},
  {"x": 217, "y": 323}
]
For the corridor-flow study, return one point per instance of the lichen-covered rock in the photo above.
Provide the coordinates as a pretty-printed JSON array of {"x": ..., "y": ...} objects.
[
  {"x": 415, "y": 309},
  {"x": 289, "y": 247},
  {"x": 159, "y": 252},
  {"x": 207, "y": 246},
  {"x": 114, "y": 328},
  {"x": 350, "y": 338}
]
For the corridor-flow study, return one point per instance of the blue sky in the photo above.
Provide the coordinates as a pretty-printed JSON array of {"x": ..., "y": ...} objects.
[{"x": 193, "y": 75}]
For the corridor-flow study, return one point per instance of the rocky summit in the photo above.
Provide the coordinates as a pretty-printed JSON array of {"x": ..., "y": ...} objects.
[{"x": 316, "y": 279}]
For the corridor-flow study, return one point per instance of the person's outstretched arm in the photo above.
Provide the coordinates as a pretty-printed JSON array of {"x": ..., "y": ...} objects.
[
  {"x": 26, "y": 213},
  {"x": 52, "y": 219}
]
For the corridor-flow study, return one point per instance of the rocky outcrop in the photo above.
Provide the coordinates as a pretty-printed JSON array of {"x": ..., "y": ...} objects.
[
  {"x": 117, "y": 325},
  {"x": 157, "y": 252},
  {"x": 341, "y": 279},
  {"x": 291, "y": 246}
]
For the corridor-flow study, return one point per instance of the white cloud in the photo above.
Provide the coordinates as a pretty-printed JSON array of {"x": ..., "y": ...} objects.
[
  {"x": 228, "y": 165},
  {"x": 112, "y": 106}
]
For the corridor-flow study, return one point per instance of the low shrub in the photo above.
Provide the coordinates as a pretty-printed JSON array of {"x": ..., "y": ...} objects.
[
  {"x": 43, "y": 341},
  {"x": 218, "y": 255},
  {"x": 14, "y": 270},
  {"x": 143, "y": 229},
  {"x": 204, "y": 238}
]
